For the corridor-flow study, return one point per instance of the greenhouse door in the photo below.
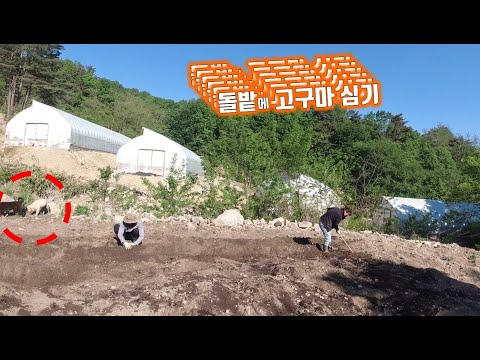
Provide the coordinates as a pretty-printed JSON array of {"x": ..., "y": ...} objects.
[
  {"x": 36, "y": 134},
  {"x": 151, "y": 161}
]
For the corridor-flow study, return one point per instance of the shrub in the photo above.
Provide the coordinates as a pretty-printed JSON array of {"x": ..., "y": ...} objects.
[
  {"x": 105, "y": 174},
  {"x": 267, "y": 202},
  {"x": 81, "y": 210},
  {"x": 218, "y": 198},
  {"x": 124, "y": 198},
  {"x": 175, "y": 196},
  {"x": 37, "y": 186},
  {"x": 418, "y": 226},
  {"x": 357, "y": 223}
]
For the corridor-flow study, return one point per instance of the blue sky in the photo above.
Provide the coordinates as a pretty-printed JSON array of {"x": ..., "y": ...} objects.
[{"x": 428, "y": 84}]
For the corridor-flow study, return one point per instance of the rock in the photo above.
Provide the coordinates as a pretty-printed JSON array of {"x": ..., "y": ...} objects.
[
  {"x": 316, "y": 227},
  {"x": 149, "y": 215},
  {"x": 110, "y": 189},
  {"x": 182, "y": 219},
  {"x": 107, "y": 199},
  {"x": 188, "y": 217},
  {"x": 290, "y": 224},
  {"x": 231, "y": 217},
  {"x": 262, "y": 222},
  {"x": 146, "y": 219},
  {"x": 248, "y": 222},
  {"x": 304, "y": 224},
  {"x": 360, "y": 302},
  {"x": 277, "y": 222},
  {"x": 366, "y": 231},
  {"x": 256, "y": 222},
  {"x": 53, "y": 208},
  {"x": 196, "y": 220},
  {"x": 190, "y": 226}
]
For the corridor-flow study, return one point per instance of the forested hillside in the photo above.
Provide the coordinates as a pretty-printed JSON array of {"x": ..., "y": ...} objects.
[{"x": 361, "y": 157}]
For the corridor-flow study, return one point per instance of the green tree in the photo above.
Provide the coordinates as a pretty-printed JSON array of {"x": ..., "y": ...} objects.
[
  {"x": 295, "y": 143},
  {"x": 440, "y": 135},
  {"x": 468, "y": 189},
  {"x": 397, "y": 129},
  {"x": 25, "y": 67},
  {"x": 193, "y": 125},
  {"x": 385, "y": 167},
  {"x": 242, "y": 152}
]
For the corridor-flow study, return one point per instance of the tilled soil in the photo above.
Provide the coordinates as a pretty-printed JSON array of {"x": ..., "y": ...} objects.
[{"x": 229, "y": 271}]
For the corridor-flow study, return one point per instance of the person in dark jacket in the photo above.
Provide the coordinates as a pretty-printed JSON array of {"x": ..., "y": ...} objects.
[
  {"x": 130, "y": 232},
  {"x": 329, "y": 221}
]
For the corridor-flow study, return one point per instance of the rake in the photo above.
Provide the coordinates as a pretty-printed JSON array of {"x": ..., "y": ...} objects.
[{"x": 341, "y": 237}]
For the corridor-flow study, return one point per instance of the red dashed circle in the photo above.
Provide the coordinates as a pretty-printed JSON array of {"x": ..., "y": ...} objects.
[{"x": 66, "y": 218}]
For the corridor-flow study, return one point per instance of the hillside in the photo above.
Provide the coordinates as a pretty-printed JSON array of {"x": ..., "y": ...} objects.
[
  {"x": 82, "y": 164},
  {"x": 362, "y": 156}
]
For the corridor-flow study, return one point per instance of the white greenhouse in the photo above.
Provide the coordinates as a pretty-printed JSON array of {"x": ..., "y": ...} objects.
[
  {"x": 44, "y": 125},
  {"x": 153, "y": 153},
  {"x": 440, "y": 213}
]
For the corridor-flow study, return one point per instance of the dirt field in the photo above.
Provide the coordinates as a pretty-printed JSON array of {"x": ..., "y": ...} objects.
[{"x": 226, "y": 271}]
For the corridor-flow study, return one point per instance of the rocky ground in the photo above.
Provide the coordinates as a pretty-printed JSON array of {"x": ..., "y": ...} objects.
[{"x": 188, "y": 269}]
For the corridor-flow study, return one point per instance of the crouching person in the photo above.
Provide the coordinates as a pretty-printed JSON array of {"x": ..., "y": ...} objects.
[{"x": 129, "y": 232}]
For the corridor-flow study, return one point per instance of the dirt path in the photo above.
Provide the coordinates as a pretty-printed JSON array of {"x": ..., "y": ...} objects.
[{"x": 243, "y": 271}]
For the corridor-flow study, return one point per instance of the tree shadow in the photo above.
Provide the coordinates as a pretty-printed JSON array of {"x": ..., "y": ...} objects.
[
  {"x": 399, "y": 289},
  {"x": 303, "y": 240}
]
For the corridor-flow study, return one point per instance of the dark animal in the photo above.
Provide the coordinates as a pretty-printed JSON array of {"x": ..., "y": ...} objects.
[{"x": 13, "y": 207}]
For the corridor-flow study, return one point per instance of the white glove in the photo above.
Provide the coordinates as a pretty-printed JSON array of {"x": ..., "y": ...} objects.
[{"x": 128, "y": 245}]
